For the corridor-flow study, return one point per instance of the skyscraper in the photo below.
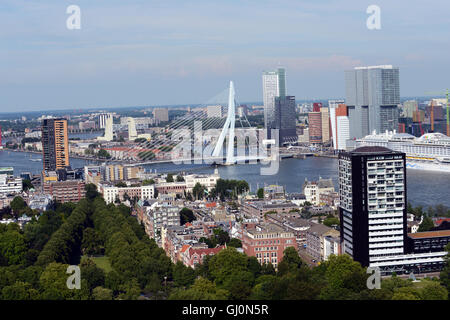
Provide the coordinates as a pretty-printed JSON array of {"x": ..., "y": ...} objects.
[
  {"x": 285, "y": 119},
  {"x": 55, "y": 144},
  {"x": 279, "y": 109},
  {"x": 372, "y": 188},
  {"x": 274, "y": 85},
  {"x": 372, "y": 97}
]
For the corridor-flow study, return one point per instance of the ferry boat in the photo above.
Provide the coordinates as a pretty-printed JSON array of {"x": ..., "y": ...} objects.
[{"x": 430, "y": 152}]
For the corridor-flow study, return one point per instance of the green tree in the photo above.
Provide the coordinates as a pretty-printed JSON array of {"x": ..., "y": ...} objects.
[
  {"x": 102, "y": 153},
  {"x": 202, "y": 289},
  {"x": 19, "y": 291},
  {"x": 198, "y": 191},
  {"x": 426, "y": 225},
  {"x": 186, "y": 215},
  {"x": 13, "y": 247},
  {"x": 260, "y": 193},
  {"x": 180, "y": 178},
  {"x": 169, "y": 178},
  {"x": 100, "y": 293},
  {"x": 432, "y": 290},
  {"x": 18, "y": 205},
  {"x": 148, "y": 182},
  {"x": 27, "y": 185},
  {"x": 183, "y": 276},
  {"x": 234, "y": 242},
  {"x": 91, "y": 191},
  {"x": 345, "y": 278}
]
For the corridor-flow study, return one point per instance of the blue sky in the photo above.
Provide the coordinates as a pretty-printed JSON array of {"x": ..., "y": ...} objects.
[{"x": 147, "y": 52}]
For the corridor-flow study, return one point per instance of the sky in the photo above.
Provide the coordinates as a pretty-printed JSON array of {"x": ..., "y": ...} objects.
[{"x": 163, "y": 52}]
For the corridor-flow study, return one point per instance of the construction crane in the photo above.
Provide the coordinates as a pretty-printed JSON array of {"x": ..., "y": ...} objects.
[{"x": 445, "y": 93}]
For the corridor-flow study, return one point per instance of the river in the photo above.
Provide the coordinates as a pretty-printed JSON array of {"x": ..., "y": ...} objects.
[{"x": 425, "y": 188}]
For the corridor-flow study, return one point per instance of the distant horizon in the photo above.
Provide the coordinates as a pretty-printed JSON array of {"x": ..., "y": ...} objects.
[{"x": 94, "y": 109}]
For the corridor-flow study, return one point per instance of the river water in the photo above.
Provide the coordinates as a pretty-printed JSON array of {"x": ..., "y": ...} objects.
[{"x": 425, "y": 188}]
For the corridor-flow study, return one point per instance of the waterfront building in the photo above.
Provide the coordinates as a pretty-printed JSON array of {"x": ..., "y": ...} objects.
[
  {"x": 315, "y": 127},
  {"x": 372, "y": 97},
  {"x": 55, "y": 144},
  {"x": 285, "y": 120},
  {"x": 325, "y": 124},
  {"x": 274, "y": 85},
  {"x": 314, "y": 189},
  {"x": 274, "y": 192},
  {"x": 10, "y": 185}
]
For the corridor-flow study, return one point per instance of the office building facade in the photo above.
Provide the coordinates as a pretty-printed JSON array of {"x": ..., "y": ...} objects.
[
  {"x": 372, "y": 97},
  {"x": 274, "y": 85}
]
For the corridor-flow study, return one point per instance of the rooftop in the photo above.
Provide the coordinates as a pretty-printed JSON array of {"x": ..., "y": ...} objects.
[{"x": 430, "y": 234}]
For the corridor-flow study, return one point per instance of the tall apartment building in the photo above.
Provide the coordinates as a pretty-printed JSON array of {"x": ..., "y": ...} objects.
[
  {"x": 372, "y": 96},
  {"x": 325, "y": 117},
  {"x": 373, "y": 199},
  {"x": 161, "y": 114},
  {"x": 315, "y": 127},
  {"x": 372, "y": 186},
  {"x": 55, "y": 144},
  {"x": 274, "y": 85},
  {"x": 340, "y": 126}
]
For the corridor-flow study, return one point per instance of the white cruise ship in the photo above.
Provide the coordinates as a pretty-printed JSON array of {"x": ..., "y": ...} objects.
[{"x": 430, "y": 152}]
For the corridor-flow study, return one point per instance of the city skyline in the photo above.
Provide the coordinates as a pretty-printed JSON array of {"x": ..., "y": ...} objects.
[{"x": 130, "y": 56}]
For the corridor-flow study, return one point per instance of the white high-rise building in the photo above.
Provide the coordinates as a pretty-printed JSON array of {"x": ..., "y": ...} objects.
[{"x": 274, "y": 85}]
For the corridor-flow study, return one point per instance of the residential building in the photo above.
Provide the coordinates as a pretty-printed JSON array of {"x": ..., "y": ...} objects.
[
  {"x": 313, "y": 189},
  {"x": 259, "y": 209},
  {"x": 10, "y": 185},
  {"x": 316, "y": 245},
  {"x": 267, "y": 243},
  {"x": 55, "y": 144},
  {"x": 65, "y": 191},
  {"x": 315, "y": 127}
]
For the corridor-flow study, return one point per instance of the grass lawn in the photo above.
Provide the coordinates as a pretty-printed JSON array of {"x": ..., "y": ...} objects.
[{"x": 103, "y": 263}]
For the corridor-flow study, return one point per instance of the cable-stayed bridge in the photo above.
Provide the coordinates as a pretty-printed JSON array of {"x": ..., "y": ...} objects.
[{"x": 197, "y": 138}]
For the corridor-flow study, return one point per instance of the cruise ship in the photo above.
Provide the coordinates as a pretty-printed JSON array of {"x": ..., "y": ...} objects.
[{"x": 430, "y": 152}]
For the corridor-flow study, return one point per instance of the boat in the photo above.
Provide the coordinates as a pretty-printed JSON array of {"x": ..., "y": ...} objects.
[{"x": 430, "y": 152}]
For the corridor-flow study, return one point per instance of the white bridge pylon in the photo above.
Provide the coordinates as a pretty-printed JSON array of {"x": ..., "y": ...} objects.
[{"x": 228, "y": 129}]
